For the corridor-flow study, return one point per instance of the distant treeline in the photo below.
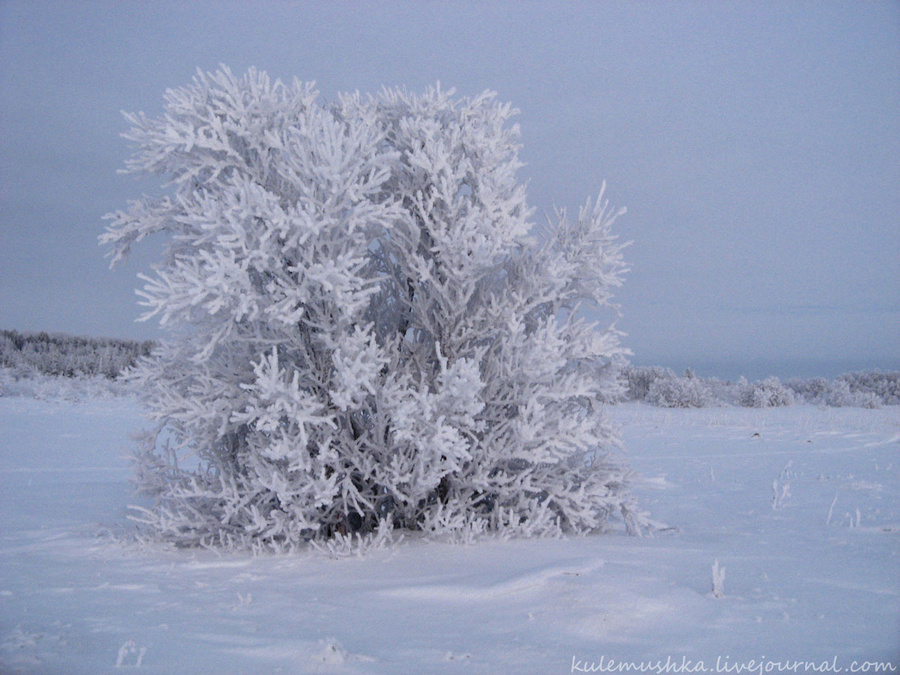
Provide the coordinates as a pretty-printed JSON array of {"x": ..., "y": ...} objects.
[
  {"x": 662, "y": 387},
  {"x": 68, "y": 356}
]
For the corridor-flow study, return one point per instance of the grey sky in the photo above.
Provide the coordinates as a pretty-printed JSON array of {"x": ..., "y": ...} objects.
[{"x": 755, "y": 144}]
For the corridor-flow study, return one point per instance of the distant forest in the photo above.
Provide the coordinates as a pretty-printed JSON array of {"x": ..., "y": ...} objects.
[
  {"x": 59, "y": 355},
  {"x": 68, "y": 356}
]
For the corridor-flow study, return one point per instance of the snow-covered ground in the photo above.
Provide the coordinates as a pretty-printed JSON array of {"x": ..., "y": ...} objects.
[{"x": 799, "y": 505}]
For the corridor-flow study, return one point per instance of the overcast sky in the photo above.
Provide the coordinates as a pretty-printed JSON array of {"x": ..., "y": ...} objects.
[{"x": 756, "y": 146}]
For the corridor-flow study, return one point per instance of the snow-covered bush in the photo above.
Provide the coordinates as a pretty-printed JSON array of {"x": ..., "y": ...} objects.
[
  {"x": 874, "y": 383},
  {"x": 725, "y": 392},
  {"x": 680, "y": 392},
  {"x": 767, "y": 393},
  {"x": 841, "y": 395},
  {"x": 864, "y": 390},
  {"x": 639, "y": 378},
  {"x": 811, "y": 390},
  {"x": 365, "y": 329}
]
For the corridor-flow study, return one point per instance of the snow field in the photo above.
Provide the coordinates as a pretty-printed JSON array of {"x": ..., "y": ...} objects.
[{"x": 798, "y": 505}]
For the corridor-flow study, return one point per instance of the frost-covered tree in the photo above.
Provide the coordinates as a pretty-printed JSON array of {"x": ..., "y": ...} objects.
[
  {"x": 366, "y": 331},
  {"x": 874, "y": 387},
  {"x": 680, "y": 392},
  {"x": 767, "y": 393},
  {"x": 638, "y": 380}
]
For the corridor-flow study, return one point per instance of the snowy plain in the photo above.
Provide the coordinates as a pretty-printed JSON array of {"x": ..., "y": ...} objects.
[{"x": 799, "y": 505}]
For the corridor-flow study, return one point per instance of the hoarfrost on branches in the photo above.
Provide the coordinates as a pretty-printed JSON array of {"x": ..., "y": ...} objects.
[
  {"x": 366, "y": 330},
  {"x": 768, "y": 393},
  {"x": 680, "y": 392}
]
